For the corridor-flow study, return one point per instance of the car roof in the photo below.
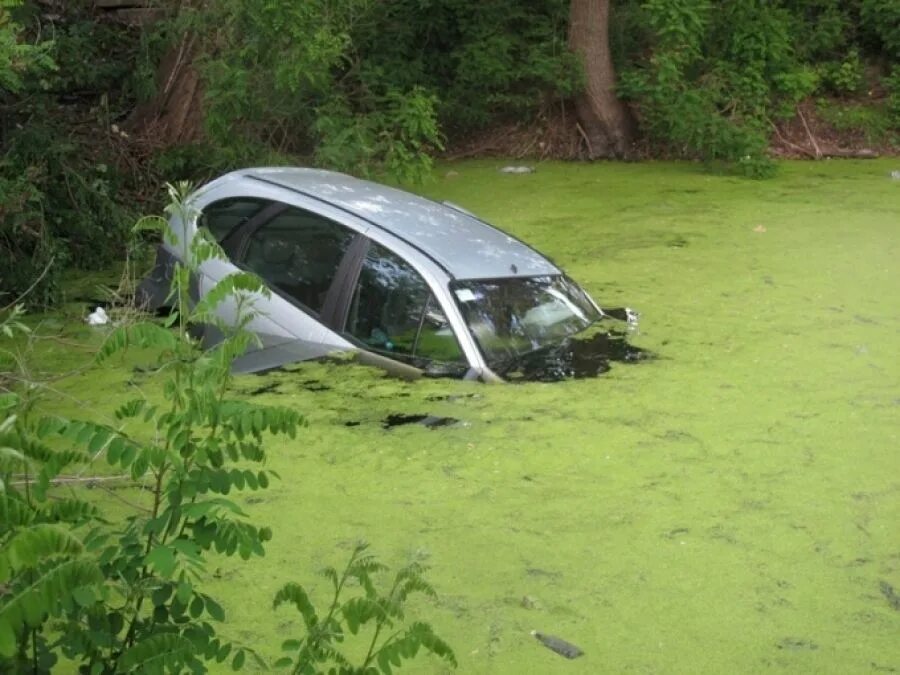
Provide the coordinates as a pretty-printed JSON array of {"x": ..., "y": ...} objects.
[{"x": 466, "y": 247}]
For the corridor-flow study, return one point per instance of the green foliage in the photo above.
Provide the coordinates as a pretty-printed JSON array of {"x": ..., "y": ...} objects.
[
  {"x": 44, "y": 571},
  {"x": 305, "y": 96},
  {"x": 882, "y": 18},
  {"x": 844, "y": 77},
  {"x": 369, "y": 87},
  {"x": 892, "y": 85},
  {"x": 130, "y": 596},
  {"x": 368, "y": 614},
  {"x": 60, "y": 202},
  {"x": 873, "y": 124},
  {"x": 19, "y": 59},
  {"x": 716, "y": 75}
]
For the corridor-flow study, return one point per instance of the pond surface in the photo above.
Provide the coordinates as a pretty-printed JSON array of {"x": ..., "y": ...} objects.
[{"x": 731, "y": 505}]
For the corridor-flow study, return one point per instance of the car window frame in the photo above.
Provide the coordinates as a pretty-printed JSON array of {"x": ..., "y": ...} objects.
[
  {"x": 236, "y": 244},
  {"x": 343, "y": 311}
]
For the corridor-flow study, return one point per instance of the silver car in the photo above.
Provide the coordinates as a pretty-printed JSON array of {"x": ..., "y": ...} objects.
[{"x": 412, "y": 285}]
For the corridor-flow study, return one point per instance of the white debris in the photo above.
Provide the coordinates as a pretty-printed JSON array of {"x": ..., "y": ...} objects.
[
  {"x": 98, "y": 317},
  {"x": 517, "y": 169},
  {"x": 895, "y": 175}
]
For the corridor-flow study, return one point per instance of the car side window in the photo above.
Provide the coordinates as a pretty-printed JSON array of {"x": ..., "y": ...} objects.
[
  {"x": 298, "y": 253},
  {"x": 223, "y": 217},
  {"x": 394, "y": 312}
]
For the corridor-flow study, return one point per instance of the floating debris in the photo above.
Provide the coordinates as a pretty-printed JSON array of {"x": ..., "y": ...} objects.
[
  {"x": 517, "y": 169},
  {"x": 797, "y": 643},
  {"x": 558, "y": 645},
  {"x": 98, "y": 317},
  {"x": 890, "y": 594},
  {"x": 430, "y": 421}
]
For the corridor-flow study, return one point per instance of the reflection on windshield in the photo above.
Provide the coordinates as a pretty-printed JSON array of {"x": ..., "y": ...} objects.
[{"x": 515, "y": 316}]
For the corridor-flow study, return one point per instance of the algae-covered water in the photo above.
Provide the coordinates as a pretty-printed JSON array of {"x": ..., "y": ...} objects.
[{"x": 731, "y": 506}]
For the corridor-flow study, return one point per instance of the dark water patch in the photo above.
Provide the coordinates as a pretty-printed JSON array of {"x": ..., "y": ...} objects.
[
  {"x": 271, "y": 388},
  {"x": 314, "y": 385},
  {"x": 574, "y": 358},
  {"x": 797, "y": 644},
  {"x": 430, "y": 421},
  {"x": 451, "y": 397}
]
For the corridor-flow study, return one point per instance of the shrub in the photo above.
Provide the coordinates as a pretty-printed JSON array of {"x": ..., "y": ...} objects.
[{"x": 130, "y": 595}]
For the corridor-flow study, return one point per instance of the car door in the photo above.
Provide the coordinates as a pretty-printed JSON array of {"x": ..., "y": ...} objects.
[
  {"x": 394, "y": 316},
  {"x": 298, "y": 254}
]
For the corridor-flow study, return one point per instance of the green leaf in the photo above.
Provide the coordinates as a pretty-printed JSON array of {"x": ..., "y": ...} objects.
[
  {"x": 161, "y": 595},
  {"x": 35, "y": 544},
  {"x": 196, "y": 608},
  {"x": 114, "y": 451},
  {"x": 163, "y": 651},
  {"x": 162, "y": 559},
  {"x": 214, "y": 608},
  {"x": 48, "y": 593},
  {"x": 184, "y": 591},
  {"x": 295, "y": 594},
  {"x": 238, "y": 661}
]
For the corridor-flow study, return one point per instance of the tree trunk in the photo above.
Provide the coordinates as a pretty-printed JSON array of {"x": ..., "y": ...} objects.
[
  {"x": 606, "y": 124},
  {"x": 175, "y": 115}
]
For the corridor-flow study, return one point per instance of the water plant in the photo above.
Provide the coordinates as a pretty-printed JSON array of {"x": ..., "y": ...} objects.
[{"x": 378, "y": 611}]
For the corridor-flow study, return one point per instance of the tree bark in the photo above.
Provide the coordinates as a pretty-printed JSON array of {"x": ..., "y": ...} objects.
[
  {"x": 606, "y": 124},
  {"x": 175, "y": 115}
]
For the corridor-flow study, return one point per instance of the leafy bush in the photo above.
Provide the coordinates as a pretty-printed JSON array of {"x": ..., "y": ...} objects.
[
  {"x": 368, "y": 610},
  {"x": 882, "y": 17},
  {"x": 61, "y": 180},
  {"x": 717, "y": 75},
  {"x": 306, "y": 96},
  {"x": 131, "y": 595},
  {"x": 892, "y": 85},
  {"x": 843, "y": 77},
  {"x": 872, "y": 122}
]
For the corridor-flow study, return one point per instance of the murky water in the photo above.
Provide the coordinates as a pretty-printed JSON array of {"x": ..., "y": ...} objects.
[{"x": 731, "y": 505}]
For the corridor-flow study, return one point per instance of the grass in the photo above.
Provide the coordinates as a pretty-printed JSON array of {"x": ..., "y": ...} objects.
[{"x": 729, "y": 507}]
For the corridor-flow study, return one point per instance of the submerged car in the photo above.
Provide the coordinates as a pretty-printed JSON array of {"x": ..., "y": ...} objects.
[{"x": 412, "y": 285}]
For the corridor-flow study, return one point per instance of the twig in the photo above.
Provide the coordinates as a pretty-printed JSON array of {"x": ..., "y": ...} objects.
[
  {"x": 796, "y": 147},
  {"x": 72, "y": 479},
  {"x": 586, "y": 140},
  {"x": 113, "y": 493},
  {"x": 809, "y": 133},
  {"x": 34, "y": 284}
]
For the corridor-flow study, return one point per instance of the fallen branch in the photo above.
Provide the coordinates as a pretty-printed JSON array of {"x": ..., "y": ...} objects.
[
  {"x": 65, "y": 480},
  {"x": 798, "y": 148},
  {"x": 809, "y": 133},
  {"x": 586, "y": 140}
]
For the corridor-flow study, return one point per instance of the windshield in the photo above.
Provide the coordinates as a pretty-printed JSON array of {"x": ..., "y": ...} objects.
[{"x": 514, "y": 316}]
